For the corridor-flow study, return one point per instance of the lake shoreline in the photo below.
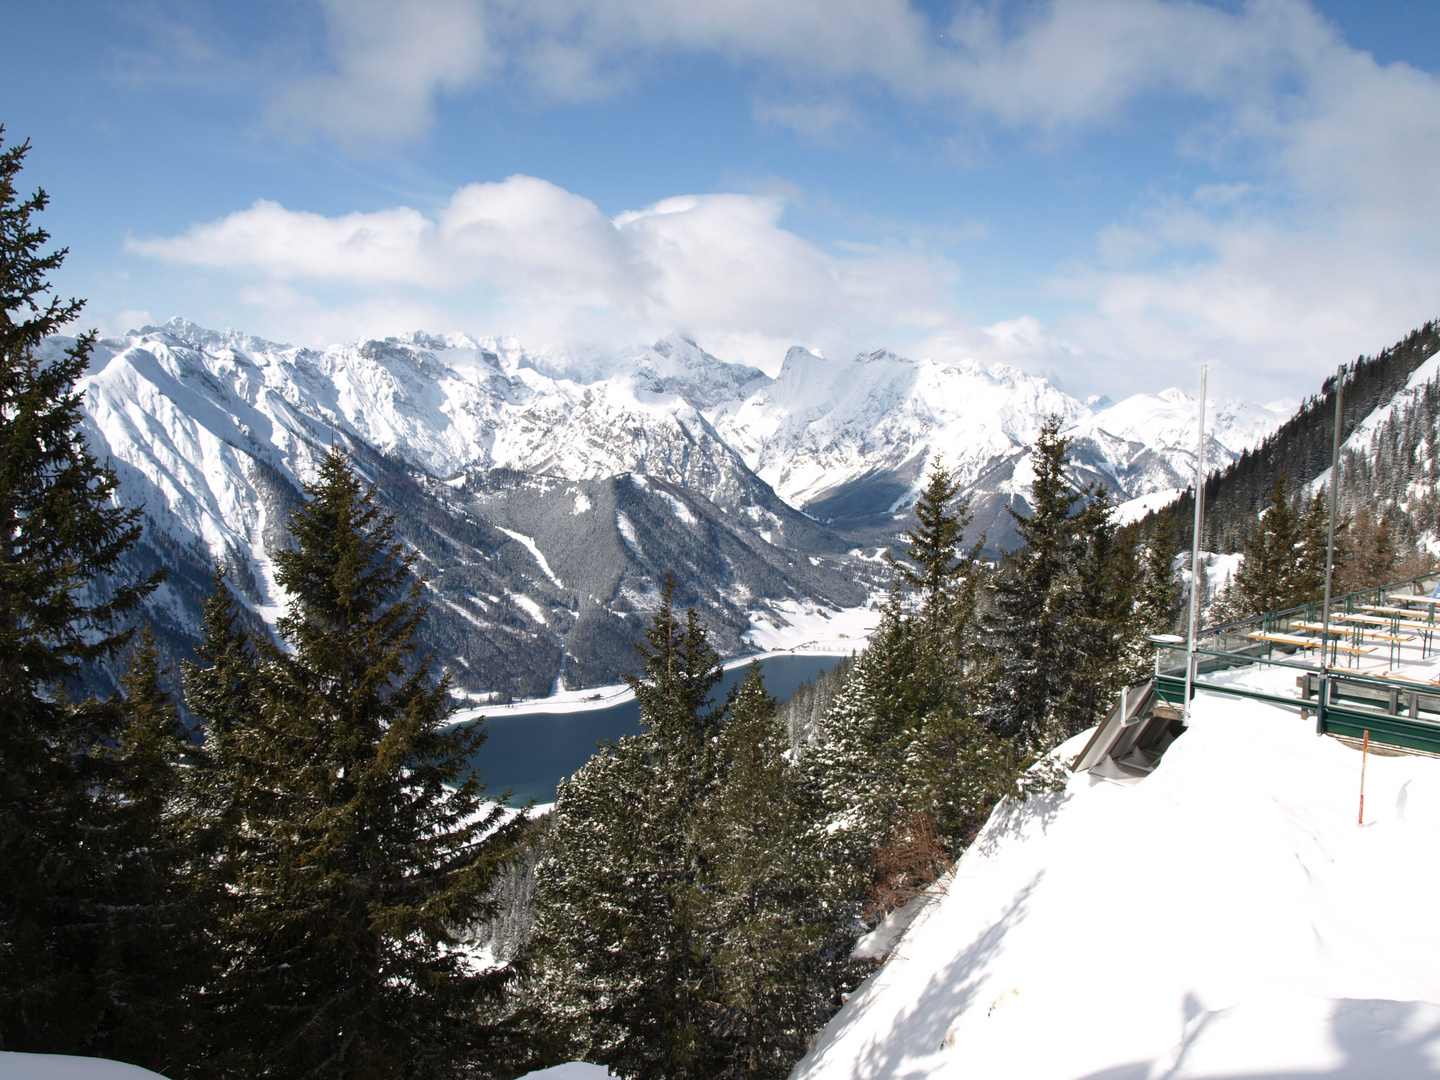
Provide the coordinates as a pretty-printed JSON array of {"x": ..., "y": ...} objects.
[
  {"x": 604, "y": 697},
  {"x": 531, "y": 747}
]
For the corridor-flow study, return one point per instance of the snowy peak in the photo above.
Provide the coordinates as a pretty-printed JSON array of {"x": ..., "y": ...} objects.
[
  {"x": 1169, "y": 418},
  {"x": 853, "y": 439},
  {"x": 677, "y": 365}
]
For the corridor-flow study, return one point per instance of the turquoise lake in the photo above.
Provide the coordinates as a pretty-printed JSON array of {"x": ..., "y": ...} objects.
[{"x": 531, "y": 752}]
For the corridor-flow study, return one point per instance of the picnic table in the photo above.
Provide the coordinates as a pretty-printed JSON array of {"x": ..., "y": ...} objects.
[
  {"x": 1431, "y": 602},
  {"x": 1283, "y": 639},
  {"x": 1388, "y": 610},
  {"x": 1350, "y": 617},
  {"x": 1353, "y": 651},
  {"x": 1398, "y": 677},
  {"x": 1396, "y": 621}
]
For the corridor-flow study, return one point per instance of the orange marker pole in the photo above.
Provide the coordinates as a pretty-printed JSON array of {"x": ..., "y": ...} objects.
[{"x": 1364, "y": 756}]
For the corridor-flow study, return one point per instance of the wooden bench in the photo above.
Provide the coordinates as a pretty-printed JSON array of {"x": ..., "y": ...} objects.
[
  {"x": 1284, "y": 639},
  {"x": 1337, "y": 632},
  {"x": 1406, "y": 678}
]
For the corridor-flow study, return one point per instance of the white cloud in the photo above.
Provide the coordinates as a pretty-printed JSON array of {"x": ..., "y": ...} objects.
[
  {"x": 527, "y": 256},
  {"x": 1336, "y": 251},
  {"x": 1054, "y": 65},
  {"x": 1318, "y": 238},
  {"x": 390, "y": 59}
]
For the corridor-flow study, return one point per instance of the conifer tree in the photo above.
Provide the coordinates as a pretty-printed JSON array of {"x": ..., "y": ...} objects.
[
  {"x": 900, "y": 741},
  {"x": 622, "y": 948},
  {"x": 773, "y": 911},
  {"x": 1371, "y": 555},
  {"x": 1037, "y": 601},
  {"x": 1284, "y": 564},
  {"x": 351, "y": 844},
  {"x": 1157, "y": 605},
  {"x": 945, "y": 580},
  {"x": 62, "y": 537},
  {"x": 154, "y": 942},
  {"x": 1104, "y": 624},
  {"x": 860, "y": 766}
]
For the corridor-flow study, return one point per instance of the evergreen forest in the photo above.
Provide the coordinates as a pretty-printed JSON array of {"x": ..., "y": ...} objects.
[{"x": 304, "y": 878}]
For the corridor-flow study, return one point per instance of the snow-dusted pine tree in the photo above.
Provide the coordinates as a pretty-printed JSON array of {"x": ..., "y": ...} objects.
[
  {"x": 1037, "y": 602},
  {"x": 622, "y": 966},
  {"x": 62, "y": 606},
  {"x": 901, "y": 741},
  {"x": 1284, "y": 564},
  {"x": 349, "y": 844},
  {"x": 777, "y": 919}
]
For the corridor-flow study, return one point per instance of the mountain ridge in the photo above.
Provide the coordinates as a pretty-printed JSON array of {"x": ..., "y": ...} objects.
[{"x": 699, "y": 469}]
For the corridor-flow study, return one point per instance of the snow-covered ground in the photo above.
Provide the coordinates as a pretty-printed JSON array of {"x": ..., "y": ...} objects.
[
  {"x": 810, "y": 629},
  {"x": 62, "y": 1067},
  {"x": 1224, "y": 917},
  {"x": 1134, "y": 509},
  {"x": 571, "y": 1070}
]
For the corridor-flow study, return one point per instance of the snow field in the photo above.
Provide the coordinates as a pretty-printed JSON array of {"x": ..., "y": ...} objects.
[
  {"x": 810, "y": 627},
  {"x": 63, "y": 1067},
  {"x": 1224, "y": 917}
]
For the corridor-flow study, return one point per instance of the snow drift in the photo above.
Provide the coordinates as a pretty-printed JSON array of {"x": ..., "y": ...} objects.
[{"x": 1225, "y": 916}]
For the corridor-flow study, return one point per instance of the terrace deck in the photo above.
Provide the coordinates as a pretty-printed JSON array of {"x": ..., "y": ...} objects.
[{"x": 1278, "y": 658}]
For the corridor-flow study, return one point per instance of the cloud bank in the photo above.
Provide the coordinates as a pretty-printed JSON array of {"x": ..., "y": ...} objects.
[
  {"x": 525, "y": 256},
  {"x": 1318, "y": 239}
]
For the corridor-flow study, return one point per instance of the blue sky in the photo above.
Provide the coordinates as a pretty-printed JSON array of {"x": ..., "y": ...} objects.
[{"x": 1109, "y": 192}]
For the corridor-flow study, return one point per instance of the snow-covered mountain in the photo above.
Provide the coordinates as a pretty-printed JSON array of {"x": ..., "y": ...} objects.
[
  {"x": 545, "y": 513},
  {"x": 853, "y": 439},
  {"x": 548, "y": 495},
  {"x": 1222, "y": 917}
]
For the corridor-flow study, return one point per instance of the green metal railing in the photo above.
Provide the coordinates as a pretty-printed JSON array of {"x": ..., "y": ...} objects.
[{"x": 1345, "y": 702}]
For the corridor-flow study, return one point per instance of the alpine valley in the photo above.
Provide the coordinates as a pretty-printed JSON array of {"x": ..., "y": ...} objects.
[{"x": 548, "y": 496}]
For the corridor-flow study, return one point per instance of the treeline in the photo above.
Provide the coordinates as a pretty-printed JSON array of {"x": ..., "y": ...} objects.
[
  {"x": 1390, "y": 488},
  {"x": 1300, "y": 449}
]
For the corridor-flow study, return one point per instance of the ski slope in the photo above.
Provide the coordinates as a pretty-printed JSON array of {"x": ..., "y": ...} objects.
[{"x": 1224, "y": 917}]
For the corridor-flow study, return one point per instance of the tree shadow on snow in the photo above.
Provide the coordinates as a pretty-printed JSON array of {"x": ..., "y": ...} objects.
[
  {"x": 1012, "y": 814},
  {"x": 1380, "y": 1040},
  {"x": 920, "y": 1031}
]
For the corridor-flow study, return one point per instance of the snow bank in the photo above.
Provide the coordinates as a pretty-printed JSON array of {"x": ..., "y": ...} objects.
[
  {"x": 1225, "y": 916},
  {"x": 61, "y": 1067},
  {"x": 571, "y": 1070}
]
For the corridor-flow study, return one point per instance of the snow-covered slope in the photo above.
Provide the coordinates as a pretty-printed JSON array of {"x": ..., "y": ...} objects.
[
  {"x": 1361, "y": 440},
  {"x": 1150, "y": 438},
  {"x": 546, "y": 513},
  {"x": 843, "y": 438},
  {"x": 1224, "y": 917},
  {"x": 63, "y": 1067}
]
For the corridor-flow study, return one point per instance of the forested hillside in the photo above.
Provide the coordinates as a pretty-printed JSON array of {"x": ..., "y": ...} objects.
[{"x": 1301, "y": 449}]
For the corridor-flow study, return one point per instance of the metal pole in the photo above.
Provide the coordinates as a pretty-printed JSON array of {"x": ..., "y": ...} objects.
[
  {"x": 1330, "y": 546},
  {"x": 1195, "y": 548}
]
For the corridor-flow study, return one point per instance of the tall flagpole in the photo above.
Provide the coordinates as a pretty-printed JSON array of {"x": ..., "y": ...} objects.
[
  {"x": 1195, "y": 548},
  {"x": 1330, "y": 544}
]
